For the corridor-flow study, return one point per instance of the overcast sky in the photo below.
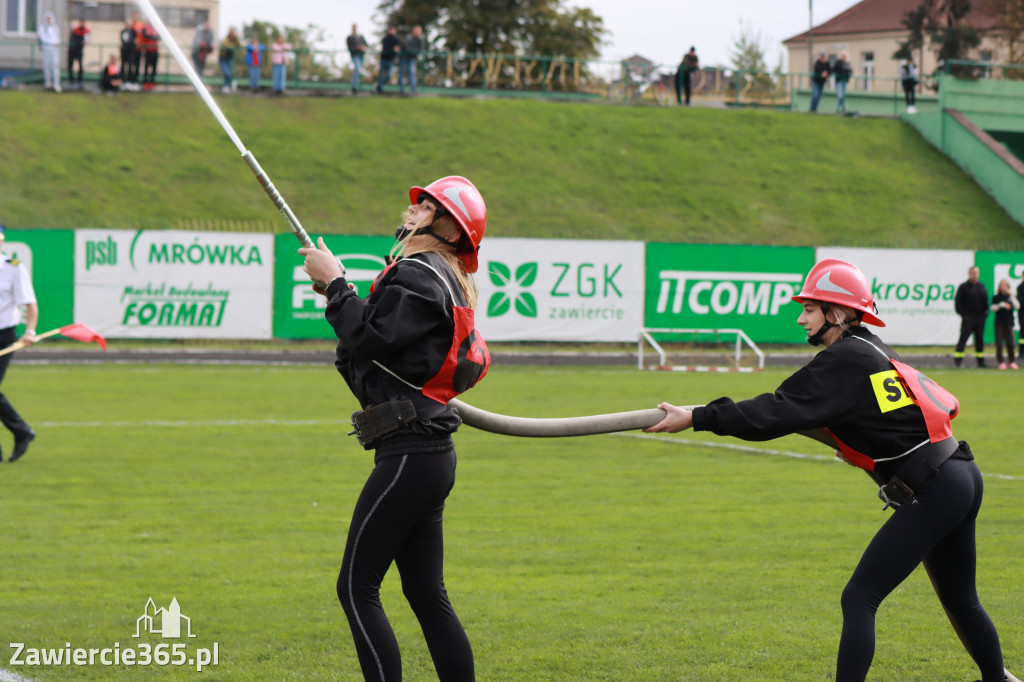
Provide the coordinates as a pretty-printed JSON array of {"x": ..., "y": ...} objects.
[{"x": 660, "y": 30}]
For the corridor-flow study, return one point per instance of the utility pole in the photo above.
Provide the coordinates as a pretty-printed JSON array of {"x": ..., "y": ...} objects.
[{"x": 810, "y": 36}]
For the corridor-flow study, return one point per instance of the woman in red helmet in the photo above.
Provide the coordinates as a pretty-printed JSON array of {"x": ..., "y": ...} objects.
[
  {"x": 894, "y": 422},
  {"x": 405, "y": 351}
]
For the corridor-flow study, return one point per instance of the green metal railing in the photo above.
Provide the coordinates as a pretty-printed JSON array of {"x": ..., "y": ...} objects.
[{"x": 537, "y": 75}]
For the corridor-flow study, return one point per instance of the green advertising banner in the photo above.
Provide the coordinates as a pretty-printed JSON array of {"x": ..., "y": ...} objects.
[
  {"x": 705, "y": 286},
  {"x": 298, "y": 310},
  {"x": 49, "y": 257}
]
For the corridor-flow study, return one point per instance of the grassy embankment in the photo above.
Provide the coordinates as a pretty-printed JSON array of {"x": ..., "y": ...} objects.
[{"x": 546, "y": 170}]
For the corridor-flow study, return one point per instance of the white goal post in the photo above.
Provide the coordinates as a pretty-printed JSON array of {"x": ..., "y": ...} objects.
[{"x": 647, "y": 338}]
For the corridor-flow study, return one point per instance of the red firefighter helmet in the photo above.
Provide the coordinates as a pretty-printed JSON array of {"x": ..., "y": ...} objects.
[
  {"x": 463, "y": 202},
  {"x": 837, "y": 281}
]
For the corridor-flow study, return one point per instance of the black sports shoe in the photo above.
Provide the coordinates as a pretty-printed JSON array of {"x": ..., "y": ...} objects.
[{"x": 21, "y": 445}]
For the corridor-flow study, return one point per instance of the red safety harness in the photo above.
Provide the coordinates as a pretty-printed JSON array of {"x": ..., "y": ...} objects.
[
  {"x": 468, "y": 359},
  {"x": 938, "y": 406}
]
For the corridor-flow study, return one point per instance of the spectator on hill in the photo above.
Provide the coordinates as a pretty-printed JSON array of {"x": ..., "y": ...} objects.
[
  {"x": 908, "y": 75},
  {"x": 137, "y": 25},
  {"x": 49, "y": 43},
  {"x": 15, "y": 292},
  {"x": 150, "y": 44},
  {"x": 228, "y": 46},
  {"x": 129, "y": 55},
  {"x": 202, "y": 46},
  {"x": 279, "y": 56},
  {"x": 389, "y": 47},
  {"x": 972, "y": 306},
  {"x": 357, "y": 50},
  {"x": 76, "y": 49},
  {"x": 254, "y": 58},
  {"x": 822, "y": 70},
  {"x": 110, "y": 77},
  {"x": 411, "y": 49},
  {"x": 1003, "y": 305},
  {"x": 842, "y": 71},
  {"x": 684, "y": 74}
]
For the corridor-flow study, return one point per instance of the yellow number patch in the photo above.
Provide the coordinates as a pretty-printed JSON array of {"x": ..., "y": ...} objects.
[{"x": 890, "y": 392}]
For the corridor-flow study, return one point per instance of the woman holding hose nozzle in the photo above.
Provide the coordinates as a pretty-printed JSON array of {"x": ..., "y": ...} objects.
[
  {"x": 405, "y": 351},
  {"x": 894, "y": 422}
]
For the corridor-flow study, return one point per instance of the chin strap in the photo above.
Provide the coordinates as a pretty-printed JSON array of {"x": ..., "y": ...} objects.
[{"x": 403, "y": 232}]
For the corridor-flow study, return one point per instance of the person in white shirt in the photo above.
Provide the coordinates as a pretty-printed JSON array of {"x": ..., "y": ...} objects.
[
  {"x": 49, "y": 42},
  {"x": 15, "y": 292}
]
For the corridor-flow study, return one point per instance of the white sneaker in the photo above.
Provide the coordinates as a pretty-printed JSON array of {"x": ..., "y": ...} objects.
[
  {"x": 56, "y": 88},
  {"x": 911, "y": 109}
]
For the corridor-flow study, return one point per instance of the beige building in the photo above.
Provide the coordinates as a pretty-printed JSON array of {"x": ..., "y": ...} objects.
[
  {"x": 20, "y": 21},
  {"x": 872, "y": 30}
]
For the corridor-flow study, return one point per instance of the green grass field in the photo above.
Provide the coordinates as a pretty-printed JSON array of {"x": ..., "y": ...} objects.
[
  {"x": 545, "y": 169},
  {"x": 618, "y": 557}
]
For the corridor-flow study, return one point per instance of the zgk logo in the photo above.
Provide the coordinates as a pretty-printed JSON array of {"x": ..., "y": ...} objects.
[
  {"x": 577, "y": 282},
  {"x": 505, "y": 298},
  {"x": 723, "y": 293}
]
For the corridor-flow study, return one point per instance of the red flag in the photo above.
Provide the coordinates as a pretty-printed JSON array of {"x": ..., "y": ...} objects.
[{"x": 79, "y": 332}]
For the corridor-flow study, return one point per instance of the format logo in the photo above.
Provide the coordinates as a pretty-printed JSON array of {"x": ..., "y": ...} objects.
[{"x": 166, "y": 305}]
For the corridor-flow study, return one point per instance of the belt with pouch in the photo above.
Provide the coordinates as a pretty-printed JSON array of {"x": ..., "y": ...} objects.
[
  {"x": 919, "y": 466},
  {"x": 376, "y": 421}
]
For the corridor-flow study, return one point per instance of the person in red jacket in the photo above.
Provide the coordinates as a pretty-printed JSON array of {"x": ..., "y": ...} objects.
[
  {"x": 887, "y": 418},
  {"x": 405, "y": 351},
  {"x": 76, "y": 49},
  {"x": 149, "y": 44}
]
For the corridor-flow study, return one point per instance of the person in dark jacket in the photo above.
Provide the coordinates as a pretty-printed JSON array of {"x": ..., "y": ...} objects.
[
  {"x": 1020, "y": 320},
  {"x": 411, "y": 49},
  {"x": 822, "y": 70},
  {"x": 110, "y": 77},
  {"x": 1003, "y": 305},
  {"x": 972, "y": 306},
  {"x": 684, "y": 75},
  {"x": 76, "y": 49},
  {"x": 356, "y": 44},
  {"x": 405, "y": 351},
  {"x": 892, "y": 421},
  {"x": 129, "y": 54},
  {"x": 389, "y": 49}
]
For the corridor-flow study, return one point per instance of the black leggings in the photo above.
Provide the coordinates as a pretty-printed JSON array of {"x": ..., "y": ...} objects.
[
  {"x": 936, "y": 527},
  {"x": 398, "y": 518}
]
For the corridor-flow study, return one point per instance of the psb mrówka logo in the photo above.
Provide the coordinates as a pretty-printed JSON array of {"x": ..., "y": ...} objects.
[{"x": 510, "y": 289}]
